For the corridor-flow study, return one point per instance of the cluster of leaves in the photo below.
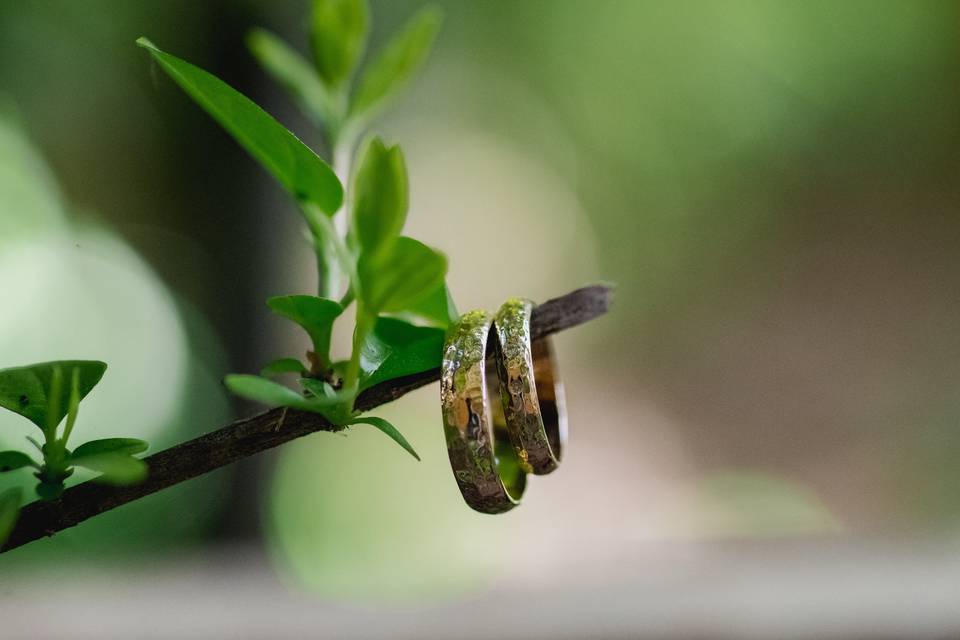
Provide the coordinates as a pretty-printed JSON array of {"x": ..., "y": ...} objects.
[
  {"x": 403, "y": 306},
  {"x": 45, "y": 394}
]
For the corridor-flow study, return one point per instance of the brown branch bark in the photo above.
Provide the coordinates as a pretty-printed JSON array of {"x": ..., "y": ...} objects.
[{"x": 258, "y": 433}]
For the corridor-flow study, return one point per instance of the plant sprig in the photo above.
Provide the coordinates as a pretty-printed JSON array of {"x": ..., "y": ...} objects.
[
  {"x": 45, "y": 394},
  {"x": 403, "y": 306}
]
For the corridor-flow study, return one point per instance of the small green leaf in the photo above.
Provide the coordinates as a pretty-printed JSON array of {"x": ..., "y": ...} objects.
[
  {"x": 396, "y": 348},
  {"x": 396, "y": 65},
  {"x": 294, "y": 73},
  {"x": 388, "y": 429},
  {"x": 11, "y": 460},
  {"x": 265, "y": 391},
  {"x": 380, "y": 198},
  {"x": 9, "y": 512},
  {"x": 315, "y": 315},
  {"x": 338, "y": 36},
  {"x": 28, "y": 390},
  {"x": 116, "y": 468},
  {"x": 125, "y": 446},
  {"x": 398, "y": 281},
  {"x": 283, "y": 365},
  {"x": 319, "y": 388},
  {"x": 290, "y": 161},
  {"x": 436, "y": 309}
]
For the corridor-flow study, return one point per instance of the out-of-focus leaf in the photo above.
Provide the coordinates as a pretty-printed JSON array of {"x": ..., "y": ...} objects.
[
  {"x": 404, "y": 277},
  {"x": 125, "y": 446},
  {"x": 115, "y": 468},
  {"x": 396, "y": 348},
  {"x": 380, "y": 198},
  {"x": 265, "y": 391},
  {"x": 315, "y": 315},
  {"x": 30, "y": 390},
  {"x": 395, "y": 66},
  {"x": 338, "y": 35},
  {"x": 283, "y": 365},
  {"x": 294, "y": 73},
  {"x": 388, "y": 429},
  {"x": 11, "y": 460},
  {"x": 436, "y": 309},
  {"x": 290, "y": 161},
  {"x": 9, "y": 511}
]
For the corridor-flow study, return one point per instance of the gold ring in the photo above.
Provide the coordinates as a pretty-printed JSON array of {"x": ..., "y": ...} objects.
[
  {"x": 490, "y": 477},
  {"x": 530, "y": 389}
]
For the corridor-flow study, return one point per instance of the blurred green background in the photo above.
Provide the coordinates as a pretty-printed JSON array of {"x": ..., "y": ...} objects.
[{"x": 772, "y": 186}]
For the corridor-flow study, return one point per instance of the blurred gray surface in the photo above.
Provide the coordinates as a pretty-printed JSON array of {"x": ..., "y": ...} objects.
[{"x": 784, "y": 589}]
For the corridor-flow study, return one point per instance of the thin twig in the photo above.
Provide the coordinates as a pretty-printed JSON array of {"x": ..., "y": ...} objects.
[{"x": 259, "y": 433}]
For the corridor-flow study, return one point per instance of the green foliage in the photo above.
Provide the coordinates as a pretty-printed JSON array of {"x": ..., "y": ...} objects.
[
  {"x": 392, "y": 70},
  {"x": 338, "y": 37},
  {"x": 315, "y": 315},
  {"x": 405, "y": 276},
  {"x": 294, "y": 73},
  {"x": 38, "y": 392},
  {"x": 396, "y": 348},
  {"x": 388, "y": 429},
  {"x": 380, "y": 198},
  {"x": 47, "y": 392},
  {"x": 291, "y": 162},
  {"x": 385, "y": 272}
]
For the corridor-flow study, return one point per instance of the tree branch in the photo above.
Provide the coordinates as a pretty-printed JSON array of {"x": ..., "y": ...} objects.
[{"x": 258, "y": 433}]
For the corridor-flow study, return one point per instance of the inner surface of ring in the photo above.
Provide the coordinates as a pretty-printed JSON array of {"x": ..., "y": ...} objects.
[
  {"x": 545, "y": 379},
  {"x": 507, "y": 461}
]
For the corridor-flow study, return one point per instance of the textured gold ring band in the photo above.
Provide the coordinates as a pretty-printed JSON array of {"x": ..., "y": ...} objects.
[
  {"x": 488, "y": 479},
  {"x": 530, "y": 390}
]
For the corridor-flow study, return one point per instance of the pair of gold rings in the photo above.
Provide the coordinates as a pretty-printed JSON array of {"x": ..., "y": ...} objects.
[{"x": 494, "y": 446}]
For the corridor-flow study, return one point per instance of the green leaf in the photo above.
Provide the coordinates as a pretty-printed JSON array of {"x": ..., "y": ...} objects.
[
  {"x": 28, "y": 390},
  {"x": 388, "y": 429},
  {"x": 294, "y": 73},
  {"x": 315, "y": 315},
  {"x": 338, "y": 36},
  {"x": 116, "y": 468},
  {"x": 9, "y": 512},
  {"x": 11, "y": 460},
  {"x": 125, "y": 446},
  {"x": 436, "y": 309},
  {"x": 290, "y": 161},
  {"x": 319, "y": 388},
  {"x": 265, "y": 391},
  {"x": 396, "y": 348},
  {"x": 380, "y": 198},
  {"x": 398, "y": 281},
  {"x": 336, "y": 408},
  {"x": 283, "y": 365},
  {"x": 396, "y": 65}
]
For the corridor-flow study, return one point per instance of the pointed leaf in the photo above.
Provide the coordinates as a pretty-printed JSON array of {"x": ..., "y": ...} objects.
[
  {"x": 125, "y": 446},
  {"x": 437, "y": 309},
  {"x": 338, "y": 35},
  {"x": 28, "y": 390},
  {"x": 265, "y": 391},
  {"x": 396, "y": 348},
  {"x": 380, "y": 198},
  {"x": 294, "y": 73},
  {"x": 315, "y": 315},
  {"x": 283, "y": 365},
  {"x": 9, "y": 511},
  {"x": 290, "y": 161},
  {"x": 388, "y": 429},
  {"x": 395, "y": 66},
  {"x": 11, "y": 460},
  {"x": 398, "y": 281},
  {"x": 116, "y": 468}
]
